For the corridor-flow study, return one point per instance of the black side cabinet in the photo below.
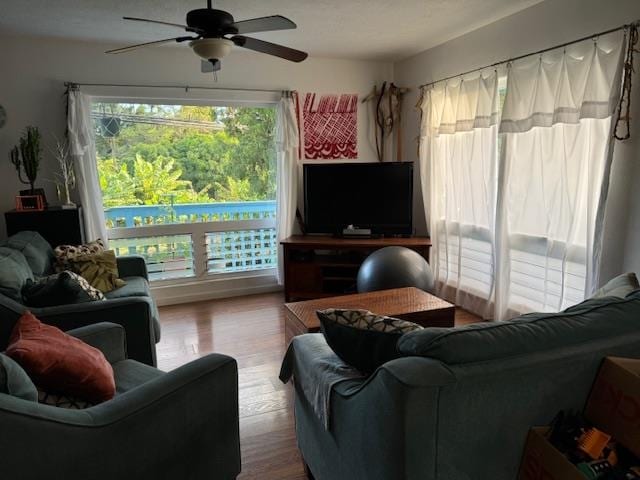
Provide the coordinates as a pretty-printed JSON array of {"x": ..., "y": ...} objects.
[{"x": 56, "y": 225}]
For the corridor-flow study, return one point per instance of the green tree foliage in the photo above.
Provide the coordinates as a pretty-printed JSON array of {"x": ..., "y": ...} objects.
[
  {"x": 156, "y": 182},
  {"x": 235, "y": 190},
  {"x": 184, "y": 154},
  {"x": 117, "y": 186}
]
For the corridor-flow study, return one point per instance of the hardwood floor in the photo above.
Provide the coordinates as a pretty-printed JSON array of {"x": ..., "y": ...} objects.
[{"x": 250, "y": 329}]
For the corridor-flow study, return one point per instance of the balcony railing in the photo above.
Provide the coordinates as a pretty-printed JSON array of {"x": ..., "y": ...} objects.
[
  {"x": 196, "y": 240},
  {"x": 138, "y": 215}
]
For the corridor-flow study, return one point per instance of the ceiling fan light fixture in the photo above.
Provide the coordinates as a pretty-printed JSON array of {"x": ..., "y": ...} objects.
[{"x": 211, "y": 48}]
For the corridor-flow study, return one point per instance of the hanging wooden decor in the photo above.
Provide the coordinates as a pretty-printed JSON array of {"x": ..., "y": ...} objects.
[
  {"x": 387, "y": 112},
  {"x": 330, "y": 126}
]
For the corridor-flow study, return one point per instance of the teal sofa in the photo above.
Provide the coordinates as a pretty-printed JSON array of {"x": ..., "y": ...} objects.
[
  {"x": 26, "y": 255},
  {"x": 177, "y": 425},
  {"x": 459, "y": 404}
]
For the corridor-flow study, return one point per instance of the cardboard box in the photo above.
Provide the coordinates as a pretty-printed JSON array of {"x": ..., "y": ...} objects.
[
  {"x": 614, "y": 403},
  {"x": 542, "y": 461}
]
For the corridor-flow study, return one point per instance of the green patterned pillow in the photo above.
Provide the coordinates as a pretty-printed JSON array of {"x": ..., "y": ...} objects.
[
  {"x": 363, "y": 339},
  {"x": 100, "y": 270}
]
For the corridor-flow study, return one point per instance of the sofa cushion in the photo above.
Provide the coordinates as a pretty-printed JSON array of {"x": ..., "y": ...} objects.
[
  {"x": 134, "y": 287},
  {"x": 620, "y": 286},
  {"x": 14, "y": 273},
  {"x": 363, "y": 339},
  {"x": 588, "y": 321},
  {"x": 36, "y": 250},
  {"x": 14, "y": 380},
  {"x": 60, "y": 363}
]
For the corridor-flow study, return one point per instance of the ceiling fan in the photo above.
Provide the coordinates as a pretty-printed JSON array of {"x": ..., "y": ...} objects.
[{"x": 214, "y": 32}]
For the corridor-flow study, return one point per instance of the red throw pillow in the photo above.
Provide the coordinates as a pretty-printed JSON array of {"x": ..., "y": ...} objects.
[{"x": 59, "y": 362}]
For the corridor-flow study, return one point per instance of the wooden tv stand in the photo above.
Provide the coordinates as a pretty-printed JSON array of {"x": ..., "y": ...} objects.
[{"x": 325, "y": 266}]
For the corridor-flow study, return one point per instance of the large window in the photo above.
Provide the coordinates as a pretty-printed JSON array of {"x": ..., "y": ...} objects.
[
  {"x": 519, "y": 179},
  {"x": 191, "y": 188}
]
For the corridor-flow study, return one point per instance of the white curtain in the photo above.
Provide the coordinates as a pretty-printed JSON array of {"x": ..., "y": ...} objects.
[
  {"x": 457, "y": 154},
  {"x": 288, "y": 166},
  {"x": 554, "y": 175},
  {"x": 82, "y": 149},
  {"x": 516, "y": 217}
]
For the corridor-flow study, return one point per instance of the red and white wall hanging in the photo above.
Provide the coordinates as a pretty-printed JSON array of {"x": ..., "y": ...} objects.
[{"x": 329, "y": 126}]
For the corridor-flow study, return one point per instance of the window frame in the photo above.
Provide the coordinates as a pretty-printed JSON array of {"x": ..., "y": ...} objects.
[{"x": 197, "y": 230}]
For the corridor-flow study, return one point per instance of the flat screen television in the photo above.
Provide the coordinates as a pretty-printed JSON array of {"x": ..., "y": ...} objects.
[{"x": 376, "y": 196}]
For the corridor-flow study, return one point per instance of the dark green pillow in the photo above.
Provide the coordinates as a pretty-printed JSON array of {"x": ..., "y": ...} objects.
[
  {"x": 58, "y": 289},
  {"x": 14, "y": 380},
  {"x": 363, "y": 339}
]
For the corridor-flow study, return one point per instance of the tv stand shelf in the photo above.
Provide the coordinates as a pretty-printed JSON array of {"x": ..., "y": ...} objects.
[{"x": 325, "y": 266}]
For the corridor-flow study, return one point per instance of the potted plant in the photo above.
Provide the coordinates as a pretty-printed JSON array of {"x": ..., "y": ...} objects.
[{"x": 26, "y": 156}]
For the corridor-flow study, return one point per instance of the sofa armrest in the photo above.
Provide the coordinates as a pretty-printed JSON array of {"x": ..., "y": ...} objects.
[
  {"x": 132, "y": 266},
  {"x": 399, "y": 401},
  {"x": 109, "y": 338},
  {"x": 183, "y": 424}
]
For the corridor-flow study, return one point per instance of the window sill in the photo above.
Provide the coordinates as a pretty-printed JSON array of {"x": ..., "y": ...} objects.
[{"x": 212, "y": 286}]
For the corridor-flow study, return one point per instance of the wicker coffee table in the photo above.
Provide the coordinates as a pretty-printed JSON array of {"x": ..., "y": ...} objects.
[{"x": 410, "y": 304}]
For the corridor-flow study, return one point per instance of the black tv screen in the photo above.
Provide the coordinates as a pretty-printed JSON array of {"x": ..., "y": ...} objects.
[{"x": 377, "y": 196}]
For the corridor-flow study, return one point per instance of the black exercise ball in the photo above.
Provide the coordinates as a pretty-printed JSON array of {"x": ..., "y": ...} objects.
[{"x": 394, "y": 267}]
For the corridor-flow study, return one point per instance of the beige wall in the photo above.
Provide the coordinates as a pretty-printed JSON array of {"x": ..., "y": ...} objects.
[{"x": 33, "y": 72}]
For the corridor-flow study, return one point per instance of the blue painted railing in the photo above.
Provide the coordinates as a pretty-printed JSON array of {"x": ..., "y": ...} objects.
[{"x": 135, "y": 215}]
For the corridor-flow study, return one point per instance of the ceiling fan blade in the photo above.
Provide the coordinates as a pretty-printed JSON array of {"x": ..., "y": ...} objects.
[
  {"x": 146, "y": 20},
  {"x": 210, "y": 66},
  {"x": 269, "y": 48},
  {"x": 264, "y": 24},
  {"x": 157, "y": 42}
]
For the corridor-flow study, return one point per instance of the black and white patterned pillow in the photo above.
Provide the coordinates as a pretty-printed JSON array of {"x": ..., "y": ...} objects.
[
  {"x": 91, "y": 292},
  {"x": 62, "y": 401},
  {"x": 363, "y": 339},
  {"x": 365, "y": 320},
  {"x": 66, "y": 253}
]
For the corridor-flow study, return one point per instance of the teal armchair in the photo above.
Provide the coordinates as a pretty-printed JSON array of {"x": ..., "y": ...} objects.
[
  {"x": 28, "y": 255},
  {"x": 177, "y": 425}
]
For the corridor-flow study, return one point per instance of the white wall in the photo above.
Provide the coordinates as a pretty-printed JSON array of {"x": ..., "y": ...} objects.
[
  {"x": 33, "y": 71},
  {"x": 544, "y": 25}
]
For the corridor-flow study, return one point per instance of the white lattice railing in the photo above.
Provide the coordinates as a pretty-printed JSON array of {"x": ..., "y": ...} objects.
[{"x": 199, "y": 250}]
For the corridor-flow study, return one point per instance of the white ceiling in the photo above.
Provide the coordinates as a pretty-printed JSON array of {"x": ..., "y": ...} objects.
[{"x": 363, "y": 29}]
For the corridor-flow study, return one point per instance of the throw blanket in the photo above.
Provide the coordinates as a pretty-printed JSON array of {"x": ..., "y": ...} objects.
[{"x": 316, "y": 370}]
